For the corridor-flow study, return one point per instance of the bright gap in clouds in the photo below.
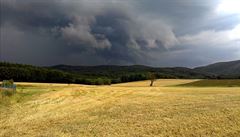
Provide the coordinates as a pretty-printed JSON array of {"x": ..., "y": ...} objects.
[
  {"x": 235, "y": 33},
  {"x": 229, "y": 7}
]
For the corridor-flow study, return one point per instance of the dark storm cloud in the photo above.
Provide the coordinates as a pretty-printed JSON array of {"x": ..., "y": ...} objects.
[
  {"x": 109, "y": 32},
  {"x": 82, "y": 32},
  {"x": 28, "y": 13}
]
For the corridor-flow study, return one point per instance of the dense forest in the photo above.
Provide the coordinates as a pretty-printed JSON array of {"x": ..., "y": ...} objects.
[
  {"x": 131, "y": 73},
  {"x": 28, "y": 73},
  {"x": 96, "y": 75}
]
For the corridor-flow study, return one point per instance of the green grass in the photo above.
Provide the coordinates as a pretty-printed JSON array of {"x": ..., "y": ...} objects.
[
  {"x": 23, "y": 94},
  {"x": 213, "y": 83}
]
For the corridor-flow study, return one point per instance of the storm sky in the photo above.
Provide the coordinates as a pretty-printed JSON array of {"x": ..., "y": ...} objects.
[{"x": 161, "y": 33}]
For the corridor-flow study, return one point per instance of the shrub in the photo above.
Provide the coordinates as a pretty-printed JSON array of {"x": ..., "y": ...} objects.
[
  {"x": 8, "y": 88},
  {"x": 7, "y": 92}
]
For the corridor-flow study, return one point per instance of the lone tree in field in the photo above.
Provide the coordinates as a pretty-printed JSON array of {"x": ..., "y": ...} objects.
[{"x": 151, "y": 77}]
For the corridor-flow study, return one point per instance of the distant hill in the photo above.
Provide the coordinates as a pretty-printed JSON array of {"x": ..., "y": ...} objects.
[
  {"x": 218, "y": 70},
  {"x": 222, "y": 69},
  {"x": 113, "y": 71},
  {"x": 108, "y": 74}
]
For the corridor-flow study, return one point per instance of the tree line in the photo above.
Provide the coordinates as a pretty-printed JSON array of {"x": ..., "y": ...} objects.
[
  {"x": 98, "y": 76},
  {"x": 28, "y": 73}
]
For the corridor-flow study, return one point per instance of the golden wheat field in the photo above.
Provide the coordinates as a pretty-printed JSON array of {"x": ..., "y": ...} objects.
[{"x": 122, "y": 110}]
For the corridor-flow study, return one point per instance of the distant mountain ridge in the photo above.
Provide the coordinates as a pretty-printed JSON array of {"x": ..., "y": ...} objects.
[
  {"x": 222, "y": 69},
  {"x": 231, "y": 68}
]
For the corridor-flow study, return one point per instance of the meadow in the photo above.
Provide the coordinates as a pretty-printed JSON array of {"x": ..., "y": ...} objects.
[{"x": 169, "y": 108}]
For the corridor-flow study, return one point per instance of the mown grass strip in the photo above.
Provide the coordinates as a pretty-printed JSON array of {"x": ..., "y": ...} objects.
[{"x": 212, "y": 83}]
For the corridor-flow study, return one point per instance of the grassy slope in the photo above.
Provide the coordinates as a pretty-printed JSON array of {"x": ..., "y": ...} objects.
[
  {"x": 124, "y": 110},
  {"x": 213, "y": 83}
]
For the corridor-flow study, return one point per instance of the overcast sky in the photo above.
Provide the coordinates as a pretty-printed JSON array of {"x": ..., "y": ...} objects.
[{"x": 121, "y": 32}]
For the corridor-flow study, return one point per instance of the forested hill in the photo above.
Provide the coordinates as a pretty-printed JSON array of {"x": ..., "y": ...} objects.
[
  {"x": 222, "y": 69},
  {"x": 99, "y": 75},
  {"x": 112, "y": 71}
]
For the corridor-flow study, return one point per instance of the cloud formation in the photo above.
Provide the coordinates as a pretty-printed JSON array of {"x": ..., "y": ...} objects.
[
  {"x": 81, "y": 32},
  {"x": 212, "y": 37}
]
